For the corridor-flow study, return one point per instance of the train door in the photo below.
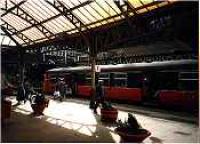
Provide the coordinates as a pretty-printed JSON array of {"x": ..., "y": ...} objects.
[
  {"x": 154, "y": 81},
  {"x": 135, "y": 79},
  {"x": 78, "y": 79}
]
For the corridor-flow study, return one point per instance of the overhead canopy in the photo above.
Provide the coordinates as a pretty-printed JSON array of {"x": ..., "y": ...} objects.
[
  {"x": 30, "y": 21},
  {"x": 175, "y": 64}
]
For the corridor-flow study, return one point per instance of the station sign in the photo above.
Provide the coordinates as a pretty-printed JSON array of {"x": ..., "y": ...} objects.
[{"x": 97, "y": 69}]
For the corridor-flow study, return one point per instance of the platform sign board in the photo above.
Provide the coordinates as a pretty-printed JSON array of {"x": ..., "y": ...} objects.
[{"x": 97, "y": 69}]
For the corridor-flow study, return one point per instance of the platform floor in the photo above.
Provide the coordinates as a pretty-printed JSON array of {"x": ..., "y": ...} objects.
[{"x": 73, "y": 121}]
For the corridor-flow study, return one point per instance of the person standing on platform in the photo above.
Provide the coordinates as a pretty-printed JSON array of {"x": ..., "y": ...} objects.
[
  {"x": 62, "y": 89},
  {"x": 99, "y": 98}
]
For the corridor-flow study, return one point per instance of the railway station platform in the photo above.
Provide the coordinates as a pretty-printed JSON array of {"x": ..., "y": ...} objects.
[{"x": 73, "y": 121}]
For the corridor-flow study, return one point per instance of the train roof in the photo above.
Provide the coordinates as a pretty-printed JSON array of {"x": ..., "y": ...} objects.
[{"x": 172, "y": 64}]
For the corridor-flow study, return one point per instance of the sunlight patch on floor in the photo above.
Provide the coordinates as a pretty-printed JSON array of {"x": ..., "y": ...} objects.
[
  {"x": 22, "y": 111},
  {"x": 76, "y": 113},
  {"x": 73, "y": 116},
  {"x": 115, "y": 137}
]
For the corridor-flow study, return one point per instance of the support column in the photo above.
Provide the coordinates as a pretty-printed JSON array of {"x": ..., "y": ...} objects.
[
  {"x": 21, "y": 65},
  {"x": 93, "y": 75}
]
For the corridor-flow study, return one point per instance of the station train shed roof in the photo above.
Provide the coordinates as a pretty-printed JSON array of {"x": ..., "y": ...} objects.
[{"x": 34, "y": 21}]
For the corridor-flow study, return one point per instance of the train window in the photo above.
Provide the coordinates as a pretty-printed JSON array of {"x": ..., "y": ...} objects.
[
  {"x": 135, "y": 79},
  {"x": 188, "y": 75},
  {"x": 104, "y": 75},
  {"x": 120, "y": 83},
  {"x": 166, "y": 80},
  {"x": 120, "y": 79},
  {"x": 188, "y": 84},
  {"x": 120, "y": 75},
  {"x": 188, "y": 80}
]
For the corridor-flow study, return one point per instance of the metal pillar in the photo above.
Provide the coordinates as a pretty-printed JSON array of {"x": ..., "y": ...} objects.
[
  {"x": 93, "y": 75},
  {"x": 93, "y": 54},
  {"x": 21, "y": 65}
]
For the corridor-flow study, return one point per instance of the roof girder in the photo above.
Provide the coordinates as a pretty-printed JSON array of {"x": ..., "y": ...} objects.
[
  {"x": 9, "y": 35},
  {"x": 125, "y": 13},
  {"x": 12, "y": 8},
  {"x": 27, "y": 17},
  {"x": 68, "y": 14},
  {"x": 53, "y": 17},
  {"x": 12, "y": 30},
  {"x": 71, "y": 17}
]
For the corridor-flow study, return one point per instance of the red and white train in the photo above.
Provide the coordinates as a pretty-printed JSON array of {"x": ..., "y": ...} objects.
[{"x": 167, "y": 83}]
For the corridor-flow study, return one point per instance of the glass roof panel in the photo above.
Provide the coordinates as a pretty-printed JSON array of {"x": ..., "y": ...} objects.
[
  {"x": 135, "y": 3},
  {"x": 49, "y": 9},
  {"x": 12, "y": 43},
  {"x": 39, "y": 11},
  {"x": 68, "y": 4},
  {"x": 65, "y": 22},
  {"x": 1, "y": 39},
  {"x": 93, "y": 12},
  {"x": 2, "y": 6},
  {"x": 113, "y": 6},
  {"x": 33, "y": 12},
  {"x": 6, "y": 40},
  {"x": 99, "y": 10},
  {"x": 59, "y": 24},
  {"x": 84, "y": 19},
  {"x": 82, "y": 13},
  {"x": 49, "y": 25},
  {"x": 146, "y": 1},
  {"x": 9, "y": 4},
  {"x": 2, "y": 3},
  {"x": 15, "y": 21},
  {"x": 36, "y": 34},
  {"x": 20, "y": 41},
  {"x": 106, "y": 7},
  {"x": 71, "y": 4},
  {"x": 89, "y": 14}
]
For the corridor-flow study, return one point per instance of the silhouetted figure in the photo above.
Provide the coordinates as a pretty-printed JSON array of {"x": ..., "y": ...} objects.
[
  {"x": 99, "y": 99},
  {"x": 62, "y": 89},
  {"x": 21, "y": 93}
]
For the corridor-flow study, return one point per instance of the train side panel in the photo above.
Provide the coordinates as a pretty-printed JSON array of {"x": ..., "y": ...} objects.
[
  {"x": 114, "y": 93},
  {"x": 48, "y": 86},
  {"x": 127, "y": 94},
  {"x": 84, "y": 91},
  {"x": 177, "y": 98}
]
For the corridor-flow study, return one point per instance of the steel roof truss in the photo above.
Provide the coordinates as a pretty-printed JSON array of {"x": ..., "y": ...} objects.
[
  {"x": 68, "y": 14},
  {"x": 22, "y": 14},
  {"x": 12, "y": 30},
  {"x": 12, "y": 8}
]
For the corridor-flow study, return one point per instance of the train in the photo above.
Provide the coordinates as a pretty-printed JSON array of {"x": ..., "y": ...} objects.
[{"x": 172, "y": 83}]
